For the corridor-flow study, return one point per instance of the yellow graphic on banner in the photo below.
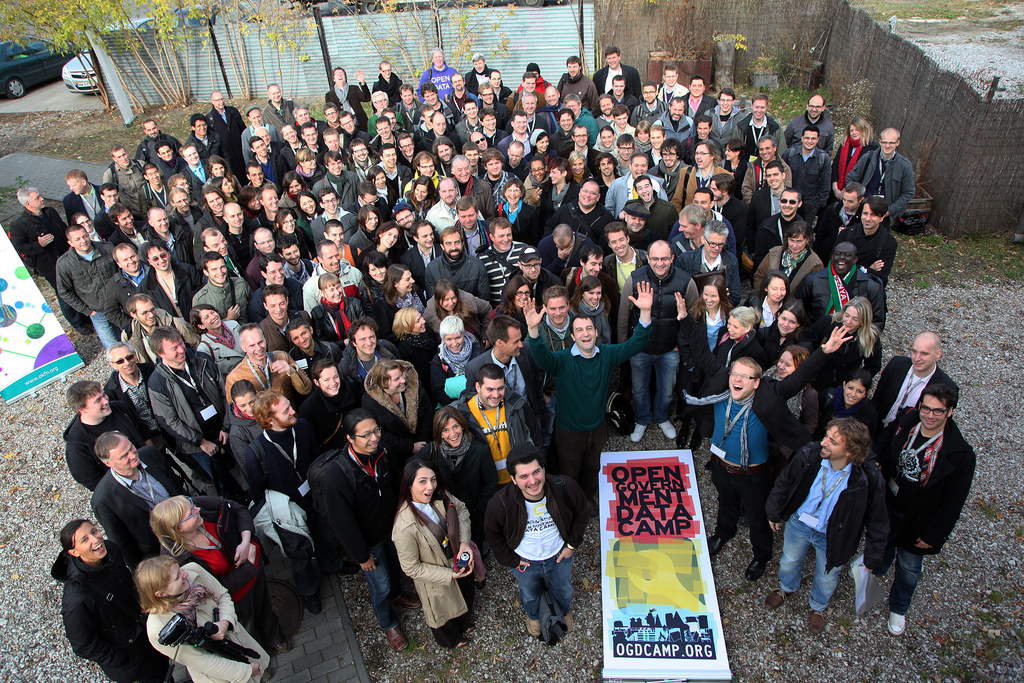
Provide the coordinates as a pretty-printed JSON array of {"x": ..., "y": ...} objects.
[{"x": 666, "y": 573}]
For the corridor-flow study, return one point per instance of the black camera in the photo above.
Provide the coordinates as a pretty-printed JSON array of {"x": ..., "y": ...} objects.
[
  {"x": 462, "y": 562},
  {"x": 178, "y": 632}
]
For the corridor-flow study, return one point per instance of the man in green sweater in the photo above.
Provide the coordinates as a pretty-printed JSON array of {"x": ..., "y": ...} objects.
[{"x": 582, "y": 374}]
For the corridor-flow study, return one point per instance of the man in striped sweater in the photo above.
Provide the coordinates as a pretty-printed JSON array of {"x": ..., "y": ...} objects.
[{"x": 500, "y": 258}]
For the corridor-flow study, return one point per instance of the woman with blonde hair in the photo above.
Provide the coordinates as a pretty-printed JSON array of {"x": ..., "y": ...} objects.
[
  {"x": 864, "y": 350},
  {"x": 219, "y": 536},
  {"x": 415, "y": 342},
  {"x": 860, "y": 138},
  {"x": 167, "y": 590}
]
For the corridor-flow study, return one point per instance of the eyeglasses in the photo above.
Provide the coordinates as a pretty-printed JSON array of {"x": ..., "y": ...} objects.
[
  {"x": 788, "y": 201},
  {"x": 193, "y": 508},
  {"x": 736, "y": 375},
  {"x": 128, "y": 358},
  {"x": 654, "y": 259},
  {"x": 523, "y": 295},
  {"x": 937, "y": 412},
  {"x": 715, "y": 245},
  {"x": 367, "y": 435}
]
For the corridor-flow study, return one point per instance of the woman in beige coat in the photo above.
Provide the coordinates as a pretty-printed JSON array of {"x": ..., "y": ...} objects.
[
  {"x": 795, "y": 259},
  {"x": 431, "y": 534},
  {"x": 167, "y": 589}
]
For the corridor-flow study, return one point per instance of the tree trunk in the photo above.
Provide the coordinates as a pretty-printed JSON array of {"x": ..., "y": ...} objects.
[{"x": 725, "y": 64}]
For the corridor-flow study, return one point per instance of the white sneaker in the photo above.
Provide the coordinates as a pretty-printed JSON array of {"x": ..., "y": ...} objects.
[
  {"x": 667, "y": 429},
  {"x": 638, "y": 433},
  {"x": 897, "y": 624}
]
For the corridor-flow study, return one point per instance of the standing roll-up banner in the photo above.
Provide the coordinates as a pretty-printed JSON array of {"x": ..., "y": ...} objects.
[
  {"x": 660, "y": 611},
  {"x": 34, "y": 350}
]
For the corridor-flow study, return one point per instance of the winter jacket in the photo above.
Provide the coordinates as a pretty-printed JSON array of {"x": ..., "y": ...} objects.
[
  {"x": 360, "y": 507},
  {"x": 506, "y": 517},
  {"x": 664, "y": 326},
  {"x": 349, "y": 365},
  {"x": 816, "y": 294},
  {"x": 187, "y": 281},
  {"x": 826, "y": 131},
  {"x": 102, "y": 618},
  {"x": 860, "y": 506},
  {"x": 691, "y": 262},
  {"x": 137, "y": 337},
  {"x": 84, "y": 465},
  {"x": 468, "y": 272},
  {"x": 845, "y": 360},
  {"x": 227, "y": 357},
  {"x": 80, "y": 283},
  {"x": 898, "y": 184},
  {"x": 173, "y": 411},
  {"x": 930, "y": 512},
  {"x": 399, "y": 431},
  {"x": 773, "y": 261},
  {"x": 236, "y": 292},
  {"x": 243, "y": 431}
]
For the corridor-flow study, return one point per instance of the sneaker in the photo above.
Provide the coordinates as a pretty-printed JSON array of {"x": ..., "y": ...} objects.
[
  {"x": 638, "y": 433},
  {"x": 568, "y": 622},
  {"x": 816, "y": 620},
  {"x": 668, "y": 429},
  {"x": 897, "y": 624}
]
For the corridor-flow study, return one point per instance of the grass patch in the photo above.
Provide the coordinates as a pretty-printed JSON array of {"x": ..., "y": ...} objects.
[
  {"x": 882, "y": 10},
  {"x": 927, "y": 260}
]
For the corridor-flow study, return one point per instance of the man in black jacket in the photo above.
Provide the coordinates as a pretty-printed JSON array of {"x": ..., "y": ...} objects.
[
  {"x": 825, "y": 497},
  {"x": 171, "y": 284},
  {"x": 903, "y": 379},
  {"x": 126, "y": 281},
  {"x": 928, "y": 468},
  {"x": 136, "y": 481},
  {"x": 100, "y": 610},
  {"x": 603, "y": 76},
  {"x": 517, "y": 522},
  {"x": 359, "y": 495},
  {"x": 876, "y": 247},
  {"x": 96, "y": 416},
  {"x": 227, "y": 123},
  {"x": 823, "y": 292},
  {"x": 128, "y": 383},
  {"x": 586, "y": 216},
  {"x": 422, "y": 253}
]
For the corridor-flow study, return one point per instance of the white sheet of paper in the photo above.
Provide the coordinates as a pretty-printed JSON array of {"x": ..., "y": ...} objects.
[{"x": 302, "y": 363}]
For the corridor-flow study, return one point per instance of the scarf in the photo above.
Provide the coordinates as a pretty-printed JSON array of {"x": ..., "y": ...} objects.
[
  {"x": 410, "y": 299},
  {"x": 790, "y": 263},
  {"x": 454, "y": 455},
  {"x": 840, "y": 296},
  {"x": 745, "y": 408},
  {"x": 644, "y": 147},
  {"x": 849, "y": 152},
  {"x": 839, "y": 408},
  {"x": 456, "y": 361},
  {"x": 931, "y": 450},
  {"x": 336, "y": 314},
  {"x": 302, "y": 174},
  {"x": 224, "y": 337},
  {"x": 189, "y": 603},
  {"x": 510, "y": 213},
  {"x": 601, "y": 324},
  {"x": 419, "y": 341}
]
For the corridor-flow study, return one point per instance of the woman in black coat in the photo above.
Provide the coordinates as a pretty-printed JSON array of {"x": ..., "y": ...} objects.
[
  {"x": 400, "y": 291},
  {"x": 466, "y": 465},
  {"x": 416, "y": 343},
  {"x": 557, "y": 190},
  {"x": 334, "y": 314},
  {"x": 100, "y": 610},
  {"x": 326, "y": 406},
  {"x": 785, "y": 331},
  {"x": 848, "y": 400},
  {"x": 863, "y": 350},
  {"x": 526, "y": 226}
]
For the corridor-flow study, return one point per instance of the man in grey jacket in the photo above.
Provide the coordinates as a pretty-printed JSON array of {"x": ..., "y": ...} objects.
[
  {"x": 82, "y": 273},
  {"x": 886, "y": 173},
  {"x": 229, "y": 295}
]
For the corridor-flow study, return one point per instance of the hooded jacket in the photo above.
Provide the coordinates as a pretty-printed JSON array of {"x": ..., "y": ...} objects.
[{"x": 400, "y": 430}]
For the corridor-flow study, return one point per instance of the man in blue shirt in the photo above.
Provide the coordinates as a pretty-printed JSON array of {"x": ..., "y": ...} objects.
[{"x": 825, "y": 497}]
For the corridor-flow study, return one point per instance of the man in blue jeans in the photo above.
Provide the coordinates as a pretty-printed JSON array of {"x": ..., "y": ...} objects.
[
  {"x": 826, "y": 497},
  {"x": 928, "y": 468},
  {"x": 662, "y": 353},
  {"x": 534, "y": 528},
  {"x": 360, "y": 502}
]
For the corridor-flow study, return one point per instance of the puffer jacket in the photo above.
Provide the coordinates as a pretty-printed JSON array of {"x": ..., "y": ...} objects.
[{"x": 664, "y": 326}]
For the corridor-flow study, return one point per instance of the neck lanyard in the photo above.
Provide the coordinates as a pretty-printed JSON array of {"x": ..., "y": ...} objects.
[
  {"x": 295, "y": 446},
  {"x": 214, "y": 541},
  {"x": 191, "y": 382},
  {"x": 368, "y": 467},
  {"x": 729, "y": 424},
  {"x": 914, "y": 433},
  {"x": 824, "y": 495},
  {"x": 265, "y": 370},
  {"x": 497, "y": 418},
  {"x": 144, "y": 479}
]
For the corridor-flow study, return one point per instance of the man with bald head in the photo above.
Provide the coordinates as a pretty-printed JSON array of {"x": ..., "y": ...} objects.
[{"x": 904, "y": 378}]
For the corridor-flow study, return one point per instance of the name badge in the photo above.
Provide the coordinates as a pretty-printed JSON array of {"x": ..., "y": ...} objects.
[
  {"x": 809, "y": 520},
  {"x": 894, "y": 487},
  {"x": 208, "y": 413},
  {"x": 304, "y": 488},
  {"x": 718, "y": 451},
  {"x": 303, "y": 363}
]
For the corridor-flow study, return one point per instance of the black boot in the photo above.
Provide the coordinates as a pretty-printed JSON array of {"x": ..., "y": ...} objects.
[{"x": 683, "y": 430}]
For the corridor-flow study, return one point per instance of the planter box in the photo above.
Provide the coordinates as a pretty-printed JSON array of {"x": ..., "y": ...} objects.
[
  {"x": 806, "y": 78},
  {"x": 764, "y": 81},
  {"x": 922, "y": 202}
]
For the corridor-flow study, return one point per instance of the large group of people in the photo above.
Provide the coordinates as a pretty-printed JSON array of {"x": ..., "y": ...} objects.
[{"x": 386, "y": 340}]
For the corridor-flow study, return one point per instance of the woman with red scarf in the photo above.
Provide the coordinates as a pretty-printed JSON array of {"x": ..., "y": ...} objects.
[
  {"x": 335, "y": 312},
  {"x": 860, "y": 138}
]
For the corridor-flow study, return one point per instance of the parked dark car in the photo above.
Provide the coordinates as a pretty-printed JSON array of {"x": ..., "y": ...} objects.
[{"x": 28, "y": 63}]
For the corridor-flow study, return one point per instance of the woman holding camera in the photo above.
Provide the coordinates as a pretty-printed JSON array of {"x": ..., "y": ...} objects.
[
  {"x": 166, "y": 590},
  {"x": 219, "y": 536},
  {"x": 431, "y": 535}
]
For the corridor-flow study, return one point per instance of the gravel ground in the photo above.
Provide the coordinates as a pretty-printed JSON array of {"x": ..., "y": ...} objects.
[{"x": 965, "y": 622}]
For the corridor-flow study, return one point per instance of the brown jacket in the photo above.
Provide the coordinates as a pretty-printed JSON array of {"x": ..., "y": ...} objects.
[
  {"x": 428, "y": 566},
  {"x": 773, "y": 261},
  {"x": 287, "y": 384},
  {"x": 684, "y": 191},
  {"x": 748, "y": 189}
]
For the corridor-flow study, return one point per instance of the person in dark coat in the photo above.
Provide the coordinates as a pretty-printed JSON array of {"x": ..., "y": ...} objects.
[
  {"x": 99, "y": 607},
  {"x": 326, "y": 407},
  {"x": 123, "y": 511},
  {"x": 928, "y": 468},
  {"x": 821, "y": 294},
  {"x": 186, "y": 279},
  {"x": 831, "y": 520},
  {"x": 864, "y": 350},
  {"x": 465, "y": 465},
  {"x": 901, "y": 382},
  {"x": 400, "y": 406},
  {"x": 848, "y": 400},
  {"x": 349, "y": 97},
  {"x": 227, "y": 123}
]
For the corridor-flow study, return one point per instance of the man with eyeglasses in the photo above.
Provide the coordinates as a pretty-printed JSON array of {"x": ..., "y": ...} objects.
[
  {"x": 816, "y": 115},
  {"x": 715, "y": 256},
  {"x": 724, "y": 117},
  {"x": 581, "y": 145},
  {"x": 886, "y": 173},
  {"x": 771, "y": 230},
  {"x": 95, "y": 415},
  {"x": 537, "y": 277},
  {"x": 171, "y": 284},
  {"x": 928, "y": 468},
  {"x": 747, "y": 410}
]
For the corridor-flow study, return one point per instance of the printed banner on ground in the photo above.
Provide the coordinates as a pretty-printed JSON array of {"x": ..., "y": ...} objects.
[
  {"x": 661, "y": 618},
  {"x": 34, "y": 350}
]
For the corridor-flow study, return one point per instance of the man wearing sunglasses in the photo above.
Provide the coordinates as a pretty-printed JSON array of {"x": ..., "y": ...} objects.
[
  {"x": 770, "y": 231},
  {"x": 928, "y": 468},
  {"x": 128, "y": 384}
]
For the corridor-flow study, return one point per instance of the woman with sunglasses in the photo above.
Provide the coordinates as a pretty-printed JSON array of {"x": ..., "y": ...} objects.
[{"x": 219, "y": 536}]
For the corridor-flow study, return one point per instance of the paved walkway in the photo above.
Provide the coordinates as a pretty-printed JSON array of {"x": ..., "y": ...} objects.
[
  {"x": 44, "y": 173},
  {"x": 52, "y": 97},
  {"x": 325, "y": 648}
]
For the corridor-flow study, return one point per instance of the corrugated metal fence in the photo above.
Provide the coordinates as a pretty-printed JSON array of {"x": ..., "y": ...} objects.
[{"x": 543, "y": 35}]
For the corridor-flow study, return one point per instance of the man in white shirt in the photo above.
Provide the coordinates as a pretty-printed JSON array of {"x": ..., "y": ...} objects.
[{"x": 903, "y": 379}]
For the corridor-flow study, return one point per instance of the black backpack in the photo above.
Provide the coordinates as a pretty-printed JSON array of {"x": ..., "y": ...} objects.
[
  {"x": 315, "y": 476},
  {"x": 620, "y": 413}
]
